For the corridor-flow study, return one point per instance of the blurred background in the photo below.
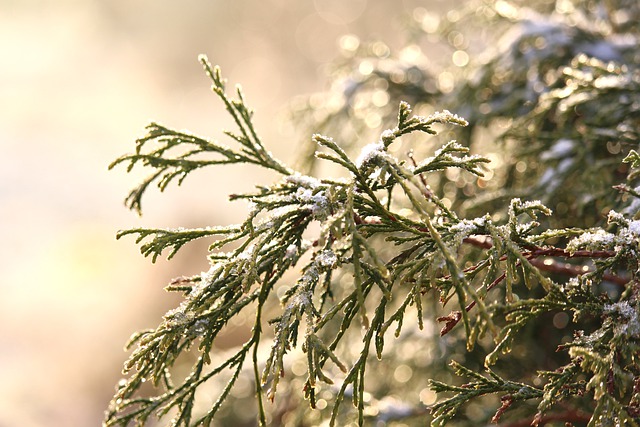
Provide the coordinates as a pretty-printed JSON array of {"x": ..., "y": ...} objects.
[{"x": 79, "y": 80}]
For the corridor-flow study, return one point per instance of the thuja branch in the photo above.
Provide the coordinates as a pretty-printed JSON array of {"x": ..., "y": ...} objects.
[
  {"x": 553, "y": 266},
  {"x": 348, "y": 258},
  {"x": 268, "y": 243},
  {"x": 174, "y": 154},
  {"x": 546, "y": 264}
]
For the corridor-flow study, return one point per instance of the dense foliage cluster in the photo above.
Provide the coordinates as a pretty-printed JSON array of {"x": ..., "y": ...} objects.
[{"x": 419, "y": 283}]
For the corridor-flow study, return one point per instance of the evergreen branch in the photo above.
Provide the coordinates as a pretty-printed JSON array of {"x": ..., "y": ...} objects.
[
  {"x": 342, "y": 159},
  {"x": 379, "y": 240},
  {"x": 355, "y": 376},
  {"x": 169, "y": 167},
  {"x": 445, "y": 410},
  {"x": 172, "y": 238},
  {"x": 563, "y": 384},
  {"x": 408, "y": 124},
  {"x": 241, "y": 114},
  {"x": 444, "y": 158},
  {"x": 519, "y": 313},
  {"x": 177, "y": 166}
]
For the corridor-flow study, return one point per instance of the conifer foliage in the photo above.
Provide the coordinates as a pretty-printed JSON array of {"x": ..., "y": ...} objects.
[{"x": 428, "y": 284}]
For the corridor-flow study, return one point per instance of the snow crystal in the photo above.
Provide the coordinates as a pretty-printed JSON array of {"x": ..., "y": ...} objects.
[
  {"x": 303, "y": 298},
  {"x": 302, "y": 180},
  {"x": 247, "y": 254},
  {"x": 622, "y": 307},
  {"x": 452, "y": 146},
  {"x": 207, "y": 276},
  {"x": 369, "y": 152},
  {"x": 373, "y": 219},
  {"x": 592, "y": 241},
  {"x": 466, "y": 227},
  {"x": 291, "y": 251},
  {"x": 628, "y": 321},
  {"x": 387, "y": 136},
  {"x": 530, "y": 204},
  {"x": 206, "y": 279},
  {"x": 318, "y": 202},
  {"x": 310, "y": 276},
  {"x": 253, "y": 209},
  {"x": 305, "y": 244},
  {"x": 446, "y": 116},
  {"x": 326, "y": 259},
  {"x": 281, "y": 211},
  {"x": 442, "y": 153},
  {"x": 462, "y": 230},
  {"x": 615, "y": 217},
  {"x": 320, "y": 207},
  {"x": 304, "y": 195},
  {"x": 629, "y": 231},
  {"x": 201, "y": 326},
  {"x": 267, "y": 224},
  {"x": 634, "y": 228}
]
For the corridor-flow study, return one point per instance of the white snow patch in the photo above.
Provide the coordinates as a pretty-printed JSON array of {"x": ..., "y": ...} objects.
[
  {"x": 387, "y": 136},
  {"x": 246, "y": 254},
  {"x": 302, "y": 180},
  {"x": 446, "y": 116},
  {"x": 634, "y": 206},
  {"x": 634, "y": 228},
  {"x": 369, "y": 152},
  {"x": 207, "y": 278},
  {"x": 326, "y": 259},
  {"x": 310, "y": 276},
  {"x": 316, "y": 200},
  {"x": 615, "y": 217},
  {"x": 628, "y": 321},
  {"x": 554, "y": 176},
  {"x": 599, "y": 239},
  {"x": 291, "y": 251},
  {"x": 466, "y": 227}
]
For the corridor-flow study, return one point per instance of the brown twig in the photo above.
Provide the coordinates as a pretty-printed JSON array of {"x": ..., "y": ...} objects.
[
  {"x": 425, "y": 190},
  {"x": 553, "y": 266},
  {"x": 454, "y": 317},
  {"x": 574, "y": 270}
]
